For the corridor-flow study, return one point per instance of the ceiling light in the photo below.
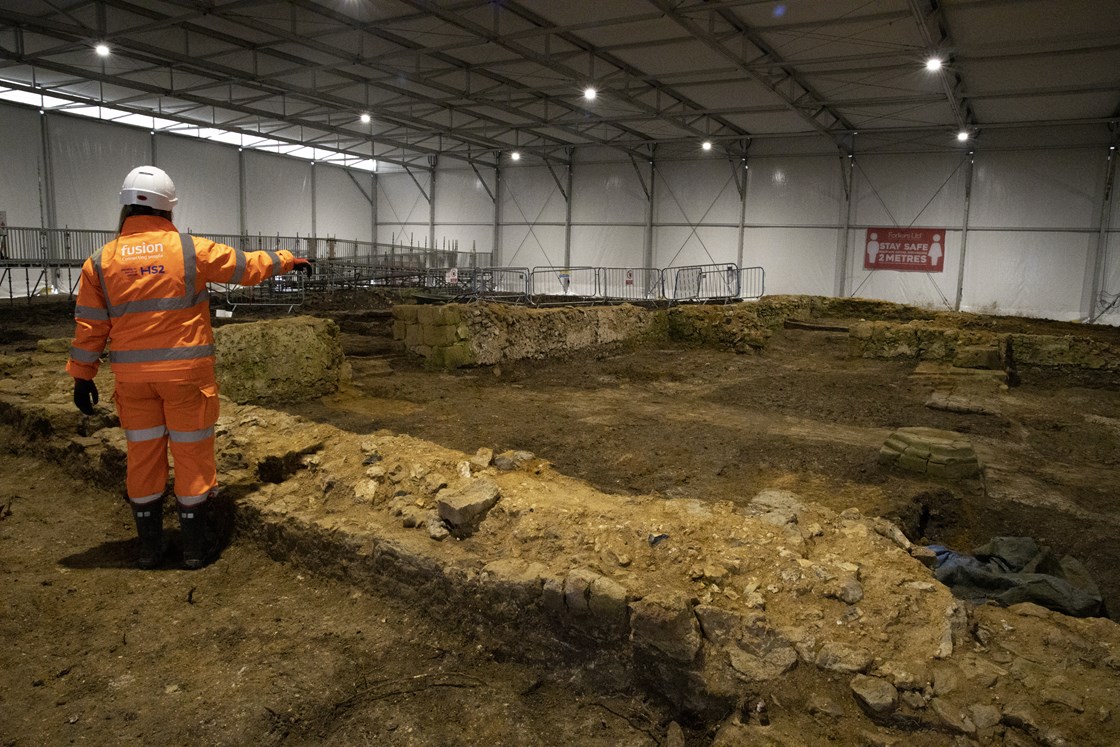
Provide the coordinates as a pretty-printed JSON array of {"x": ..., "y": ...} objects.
[
  {"x": 590, "y": 93},
  {"x": 516, "y": 156},
  {"x": 962, "y": 135},
  {"x": 365, "y": 118},
  {"x": 933, "y": 64},
  {"x": 707, "y": 145},
  {"x": 102, "y": 50}
]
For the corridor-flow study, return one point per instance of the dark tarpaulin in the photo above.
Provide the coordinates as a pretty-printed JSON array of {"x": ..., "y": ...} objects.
[{"x": 1009, "y": 570}]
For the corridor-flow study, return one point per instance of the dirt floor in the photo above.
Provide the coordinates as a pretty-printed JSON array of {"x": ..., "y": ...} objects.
[
  {"x": 250, "y": 651},
  {"x": 247, "y": 651}
]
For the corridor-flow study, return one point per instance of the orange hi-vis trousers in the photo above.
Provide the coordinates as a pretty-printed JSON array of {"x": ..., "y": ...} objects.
[{"x": 180, "y": 412}]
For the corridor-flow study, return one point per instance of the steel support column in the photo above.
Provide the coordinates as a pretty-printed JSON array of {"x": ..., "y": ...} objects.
[
  {"x": 847, "y": 174},
  {"x": 1091, "y": 298},
  {"x": 964, "y": 229}
]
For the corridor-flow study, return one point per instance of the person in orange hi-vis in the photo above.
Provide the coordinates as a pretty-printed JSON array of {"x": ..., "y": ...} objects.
[{"x": 145, "y": 292}]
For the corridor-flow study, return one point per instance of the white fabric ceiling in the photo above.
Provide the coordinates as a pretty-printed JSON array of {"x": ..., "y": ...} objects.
[{"x": 470, "y": 79}]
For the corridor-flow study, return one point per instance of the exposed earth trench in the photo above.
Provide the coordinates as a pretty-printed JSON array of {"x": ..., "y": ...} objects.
[{"x": 251, "y": 651}]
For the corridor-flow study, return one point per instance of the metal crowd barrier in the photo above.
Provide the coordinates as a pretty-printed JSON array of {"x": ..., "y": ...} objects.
[
  {"x": 705, "y": 283},
  {"x": 752, "y": 283},
  {"x": 36, "y": 261},
  {"x": 631, "y": 284},
  {"x": 283, "y": 290},
  {"x": 563, "y": 285}
]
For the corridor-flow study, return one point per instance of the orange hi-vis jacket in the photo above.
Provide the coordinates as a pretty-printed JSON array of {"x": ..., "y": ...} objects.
[{"x": 146, "y": 293}]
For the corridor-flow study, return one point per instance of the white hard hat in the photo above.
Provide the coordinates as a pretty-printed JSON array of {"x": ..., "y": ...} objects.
[{"x": 147, "y": 185}]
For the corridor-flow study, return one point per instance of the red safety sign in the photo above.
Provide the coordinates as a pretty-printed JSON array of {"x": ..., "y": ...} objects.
[{"x": 907, "y": 249}]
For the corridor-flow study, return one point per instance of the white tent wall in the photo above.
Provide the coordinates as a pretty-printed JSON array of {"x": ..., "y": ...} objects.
[
  {"x": 277, "y": 195},
  {"x": 403, "y": 212},
  {"x": 919, "y": 190},
  {"x": 533, "y": 217},
  {"x": 21, "y": 155},
  {"x": 696, "y": 215},
  {"x": 1032, "y": 233},
  {"x": 1110, "y": 288},
  {"x": 88, "y": 162},
  {"x": 207, "y": 180},
  {"x": 1033, "y": 224},
  {"x": 1109, "y": 291},
  {"x": 795, "y": 205},
  {"x": 609, "y": 210},
  {"x": 464, "y": 209},
  {"x": 342, "y": 205}
]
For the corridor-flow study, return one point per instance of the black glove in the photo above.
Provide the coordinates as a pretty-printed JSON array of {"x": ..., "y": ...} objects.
[
  {"x": 85, "y": 395},
  {"x": 303, "y": 265}
]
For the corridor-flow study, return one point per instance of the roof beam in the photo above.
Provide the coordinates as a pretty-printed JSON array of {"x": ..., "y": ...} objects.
[
  {"x": 926, "y": 12},
  {"x": 806, "y": 104}
]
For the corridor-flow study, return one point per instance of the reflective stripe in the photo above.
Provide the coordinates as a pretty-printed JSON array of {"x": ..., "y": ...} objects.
[
  {"x": 185, "y": 301},
  {"x": 96, "y": 260},
  {"x": 84, "y": 356},
  {"x": 89, "y": 312},
  {"x": 190, "y": 437},
  {"x": 158, "y": 304},
  {"x": 239, "y": 270},
  {"x": 145, "y": 500},
  {"x": 190, "y": 265},
  {"x": 145, "y": 434},
  {"x": 191, "y": 501},
  {"x": 277, "y": 262},
  {"x": 161, "y": 354}
]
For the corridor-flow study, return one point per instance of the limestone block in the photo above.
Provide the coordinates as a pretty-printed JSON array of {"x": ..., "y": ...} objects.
[
  {"x": 875, "y": 694},
  {"x": 607, "y": 603},
  {"x": 1054, "y": 351},
  {"x": 518, "y": 580},
  {"x": 465, "y": 506},
  {"x": 457, "y": 355},
  {"x": 406, "y": 312},
  {"x": 861, "y": 330},
  {"x": 12, "y": 363},
  {"x": 939, "y": 453},
  {"x": 836, "y": 657},
  {"x": 577, "y": 590},
  {"x": 482, "y": 458},
  {"x": 413, "y": 335},
  {"x": 663, "y": 621},
  {"x": 439, "y": 335},
  {"x": 280, "y": 360},
  {"x": 978, "y": 357},
  {"x": 53, "y": 345},
  {"x": 762, "y": 666},
  {"x": 552, "y": 596},
  {"x": 428, "y": 315},
  {"x": 718, "y": 625},
  {"x": 511, "y": 460},
  {"x": 952, "y": 716},
  {"x": 451, "y": 314},
  {"x": 400, "y": 327}
]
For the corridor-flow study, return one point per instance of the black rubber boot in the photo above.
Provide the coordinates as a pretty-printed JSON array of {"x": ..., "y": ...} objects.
[
  {"x": 200, "y": 541},
  {"x": 149, "y": 528}
]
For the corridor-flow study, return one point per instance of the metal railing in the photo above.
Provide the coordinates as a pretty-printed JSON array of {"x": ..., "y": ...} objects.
[
  {"x": 505, "y": 284},
  {"x": 41, "y": 261},
  {"x": 705, "y": 283},
  {"x": 631, "y": 284},
  {"x": 564, "y": 285},
  {"x": 752, "y": 283},
  {"x": 36, "y": 261}
]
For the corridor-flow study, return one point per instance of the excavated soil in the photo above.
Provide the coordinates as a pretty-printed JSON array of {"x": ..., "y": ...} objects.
[{"x": 251, "y": 651}]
